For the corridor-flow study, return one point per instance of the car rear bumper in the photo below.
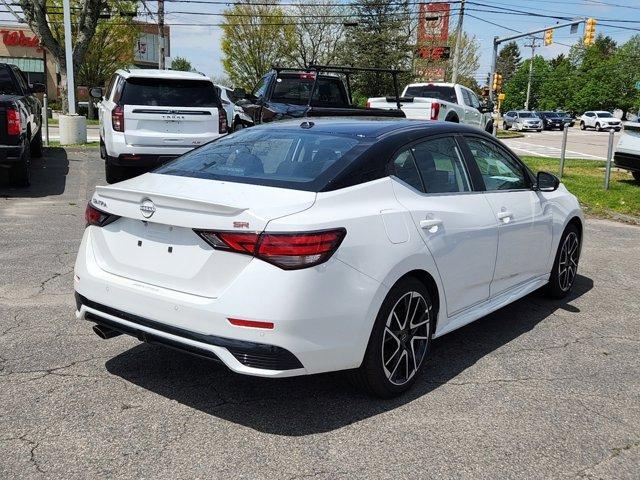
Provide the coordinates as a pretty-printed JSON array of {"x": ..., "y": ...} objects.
[
  {"x": 141, "y": 160},
  {"x": 627, "y": 161},
  {"x": 321, "y": 315},
  {"x": 10, "y": 154}
]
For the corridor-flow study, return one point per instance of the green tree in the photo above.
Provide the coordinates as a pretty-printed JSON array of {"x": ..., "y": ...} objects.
[
  {"x": 382, "y": 39},
  {"x": 508, "y": 61},
  {"x": 556, "y": 93},
  {"x": 469, "y": 59},
  {"x": 181, "y": 64},
  {"x": 317, "y": 41},
  {"x": 255, "y": 37},
  {"x": 112, "y": 47},
  {"x": 44, "y": 17},
  {"x": 627, "y": 74},
  {"x": 516, "y": 89}
]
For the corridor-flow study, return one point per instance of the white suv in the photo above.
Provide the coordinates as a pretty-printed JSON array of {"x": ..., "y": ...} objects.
[
  {"x": 627, "y": 154},
  {"x": 600, "y": 121},
  {"x": 148, "y": 117}
]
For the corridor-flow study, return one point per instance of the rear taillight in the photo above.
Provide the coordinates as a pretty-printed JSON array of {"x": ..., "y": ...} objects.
[
  {"x": 222, "y": 121},
  {"x": 117, "y": 118},
  {"x": 288, "y": 251},
  {"x": 13, "y": 122},
  {"x": 435, "y": 110},
  {"x": 98, "y": 218}
]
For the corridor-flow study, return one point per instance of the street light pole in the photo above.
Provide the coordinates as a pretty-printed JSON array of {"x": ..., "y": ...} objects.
[
  {"x": 161, "y": 33},
  {"x": 456, "y": 54},
  {"x": 68, "y": 50}
]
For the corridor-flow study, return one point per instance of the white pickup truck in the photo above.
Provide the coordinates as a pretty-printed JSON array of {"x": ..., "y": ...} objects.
[{"x": 449, "y": 102}]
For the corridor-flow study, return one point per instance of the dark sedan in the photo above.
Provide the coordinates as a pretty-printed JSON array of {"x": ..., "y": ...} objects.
[{"x": 551, "y": 120}]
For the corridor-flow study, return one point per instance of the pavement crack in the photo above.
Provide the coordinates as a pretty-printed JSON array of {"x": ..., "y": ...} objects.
[{"x": 615, "y": 452}]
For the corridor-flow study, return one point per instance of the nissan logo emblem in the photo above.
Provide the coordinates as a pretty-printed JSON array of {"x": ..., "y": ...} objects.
[{"x": 147, "y": 208}]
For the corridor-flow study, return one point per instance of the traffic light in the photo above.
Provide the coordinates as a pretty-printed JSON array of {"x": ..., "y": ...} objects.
[
  {"x": 590, "y": 31},
  {"x": 548, "y": 37},
  {"x": 497, "y": 82}
]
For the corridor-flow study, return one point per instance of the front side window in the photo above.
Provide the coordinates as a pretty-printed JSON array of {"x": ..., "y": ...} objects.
[
  {"x": 440, "y": 165},
  {"x": 286, "y": 158},
  {"x": 499, "y": 171}
]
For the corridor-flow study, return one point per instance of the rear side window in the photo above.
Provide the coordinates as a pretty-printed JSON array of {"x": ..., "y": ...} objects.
[
  {"x": 161, "y": 92},
  {"x": 285, "y": 158},
  {"x": 329, "y": 92},
  {"x": 405, "y": 169},
  {"x": 448, "y": 94}
]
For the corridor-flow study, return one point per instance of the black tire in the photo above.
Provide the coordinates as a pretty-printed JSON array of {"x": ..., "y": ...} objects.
[
  {"x": 114, "y": 173},
  {"x": 636, "y": 175},
  {"x": 36, "y": 145},
  {"x": 103, "y": 149},
  {"x": 373, "y": 377},
  {"x": 598, "y": 127},
  {"x": 237, "y": 125},
  {"x": 506, "y": 126},
  {"x": 489, "y": 127},
  {"x": 20, "y": 173},
  {"x": 560, "y": 283},
  {"x": 582, "y": 126},
  {"x": 539, "y": 130}
]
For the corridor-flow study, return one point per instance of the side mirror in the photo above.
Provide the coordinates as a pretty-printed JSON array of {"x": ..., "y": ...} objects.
[
  {"x": 546, "y": 182},
  {"x": 38, "y": 88},
  {"x": 96, "y": 92},
  {"x": 486, "y": 107},
  {"x": 240, "y": 93}
]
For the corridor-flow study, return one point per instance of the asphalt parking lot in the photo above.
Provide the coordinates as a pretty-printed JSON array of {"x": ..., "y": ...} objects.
[
  {"x": 539, "y": 389},
  {"x": 587, "y": 144}
]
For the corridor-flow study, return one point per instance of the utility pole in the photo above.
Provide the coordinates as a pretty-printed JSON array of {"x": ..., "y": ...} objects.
[
  {"x": 161, "y": 33},
  {"x": 456, "y": 54},
  {"x": 533, "y": 53}
]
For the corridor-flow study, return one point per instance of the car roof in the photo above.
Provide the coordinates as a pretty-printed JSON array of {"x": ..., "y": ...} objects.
[
  {"x": 168, "y": 74},
  {"x": 368, "y": 127}
]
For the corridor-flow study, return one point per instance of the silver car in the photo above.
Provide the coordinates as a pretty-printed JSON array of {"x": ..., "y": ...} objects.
[{"x": 522, "y": 120}]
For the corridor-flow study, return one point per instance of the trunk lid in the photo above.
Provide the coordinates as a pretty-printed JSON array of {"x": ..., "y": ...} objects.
[
  {"x": 161, "y": 249},
  {"x": 152, "y": 126}
]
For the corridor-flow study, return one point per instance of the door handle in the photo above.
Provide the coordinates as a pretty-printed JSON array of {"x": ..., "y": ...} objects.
[
  {"x": 429, "y": 223},
  {"x": 505, "y": 215}
]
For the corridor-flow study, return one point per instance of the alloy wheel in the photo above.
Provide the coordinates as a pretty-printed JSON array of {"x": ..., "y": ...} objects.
[
  {"x": 568, "y": 264},
  {"x": 406, "y": 337}
]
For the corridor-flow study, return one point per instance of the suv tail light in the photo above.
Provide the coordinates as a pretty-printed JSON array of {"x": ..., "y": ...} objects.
[
  {"x": 13, "y": 122},
  {"x": 289, "y": 251},
  {"x": 223, "y": 124},
  {"x": 117, "y": 118},
  {"x": 435, "y": 110},
  {"x": 98, "y": 218}
]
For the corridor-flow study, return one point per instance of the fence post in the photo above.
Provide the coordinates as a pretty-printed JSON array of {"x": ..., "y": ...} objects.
[
  {"x": 563, "y": 151},
  {"x": 45, "y": 119},
  {"x": 607, "y": 173}
]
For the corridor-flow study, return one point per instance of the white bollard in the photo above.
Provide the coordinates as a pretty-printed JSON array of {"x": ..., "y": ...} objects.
[{"x": 73, "y": 129}]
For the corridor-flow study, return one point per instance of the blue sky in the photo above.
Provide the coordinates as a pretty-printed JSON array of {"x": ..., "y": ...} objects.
[{"x": 200, "y": 42}]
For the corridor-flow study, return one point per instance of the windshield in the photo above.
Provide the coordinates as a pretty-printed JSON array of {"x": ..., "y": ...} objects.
[
  {"x": 159, "y": 92},
  {"x": 441, "y": 92},
  {"x": 329, "y": 91},
  {"x": 527, "y": 115},
  {"x": 284, "y": 158},
  {"x": 604, "y": 115},
  {"x": 551, "y": 115}
]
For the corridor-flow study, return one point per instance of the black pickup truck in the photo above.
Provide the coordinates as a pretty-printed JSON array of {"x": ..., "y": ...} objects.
[
  {"x": 20, "y": 124},
  {"x": 318, "y": 91}
]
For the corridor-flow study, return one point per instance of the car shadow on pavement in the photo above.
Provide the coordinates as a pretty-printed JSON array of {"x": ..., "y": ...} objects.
[
  {"x": 48, "y": 176},
  {"x": 320, "y": 403}
]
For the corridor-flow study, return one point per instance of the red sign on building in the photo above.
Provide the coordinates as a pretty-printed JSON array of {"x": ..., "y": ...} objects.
[
  {"x": 17, "y": 38},
  {"x": 433, "y": 30}
]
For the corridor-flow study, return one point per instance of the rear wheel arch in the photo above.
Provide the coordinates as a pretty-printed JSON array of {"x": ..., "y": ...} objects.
[
  {"x": 452, "y": 117},
  {"x": 429, "y": 282}
]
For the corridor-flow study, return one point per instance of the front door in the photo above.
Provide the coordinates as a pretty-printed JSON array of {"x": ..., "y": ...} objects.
[
  {"x": 523, "y": 216},
  {"x": 455, "y": 223}
]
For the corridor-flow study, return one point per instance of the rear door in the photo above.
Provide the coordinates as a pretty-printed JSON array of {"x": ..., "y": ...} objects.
[
  {"x": 523, "y": 216},
  {"x": 455, "y": 222},
  {"x": 161, "y": 112}
]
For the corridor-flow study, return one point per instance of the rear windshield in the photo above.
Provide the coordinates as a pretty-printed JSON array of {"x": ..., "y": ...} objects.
[
  {"x": 329, "y": 92},
  {"x": 441, "y": 92},
  {"x": 7, "y": 85},
  {"x": 169, "y": 93},
  {"x": 286, "y": 158}
]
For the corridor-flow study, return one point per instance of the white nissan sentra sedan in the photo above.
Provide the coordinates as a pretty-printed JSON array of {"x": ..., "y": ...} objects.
[{"x": 308, "y": 246}]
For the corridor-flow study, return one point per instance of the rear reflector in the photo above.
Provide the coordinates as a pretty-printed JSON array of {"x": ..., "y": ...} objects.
[
  {"x": 98, "y": 218},
  {"x": 250, "y": 323},
  {"x": 288, "y": 251}
]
